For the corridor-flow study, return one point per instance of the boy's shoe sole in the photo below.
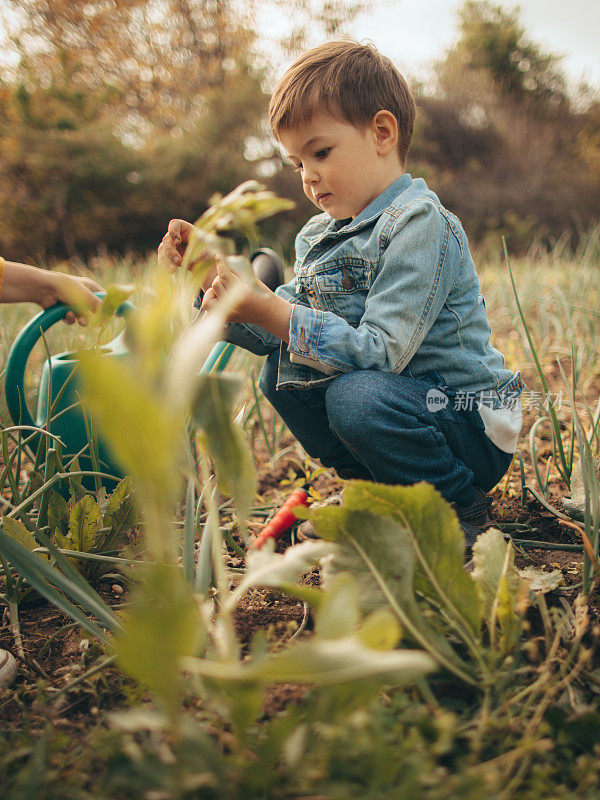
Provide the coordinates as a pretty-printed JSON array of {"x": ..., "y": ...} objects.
[
  {"x": 306, "y": 530},
  {"x": 8, "y": 668}
]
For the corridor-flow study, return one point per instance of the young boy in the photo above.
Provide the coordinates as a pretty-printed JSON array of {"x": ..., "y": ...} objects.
[{"x": 378, "y": 351}]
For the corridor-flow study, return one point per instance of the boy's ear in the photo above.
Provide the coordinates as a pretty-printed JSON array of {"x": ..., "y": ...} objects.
[{"x": 385, "y": 128}]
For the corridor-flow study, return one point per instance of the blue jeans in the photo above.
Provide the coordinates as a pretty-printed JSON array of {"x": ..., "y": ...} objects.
[{"x": 377, "y": 426}]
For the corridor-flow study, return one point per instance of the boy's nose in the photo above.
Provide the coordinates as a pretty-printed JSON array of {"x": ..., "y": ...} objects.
[{"x": 309, "y": 176}]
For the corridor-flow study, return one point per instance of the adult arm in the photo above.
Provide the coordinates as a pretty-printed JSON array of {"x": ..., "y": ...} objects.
[{"x": 22, "y": 283}]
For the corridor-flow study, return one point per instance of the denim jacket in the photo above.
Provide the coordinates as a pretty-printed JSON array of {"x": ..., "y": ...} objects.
[{"x": 394, "y": 289}]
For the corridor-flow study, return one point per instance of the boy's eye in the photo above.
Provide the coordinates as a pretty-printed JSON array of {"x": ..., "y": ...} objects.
[
  {"x": 297, "y": 167},
  {"x": 323, "y": 153}
]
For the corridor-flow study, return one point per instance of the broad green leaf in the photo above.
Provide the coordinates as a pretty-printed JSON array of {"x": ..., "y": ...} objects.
[
  {"x": 58, "y": 513},
  {"x": 121, "y": 511},
  {"x": 212, "y": 411},
  {"x": 505, "y": 610},
  {"x": 241, "y": 209},
  {"x": 377, "y": 552},
  {"x": 161, "y": 626},
  {"x": 436, "y": 539},
  {"x": 114, "y": 298},
  {"x": 386, "y": 543},
  {"x": 63, "y": 542},
  {"x": 84, "y": 522},
  {"x": 380, "y": 553},
  {"x": 322, "y": 662},
  {"x": 498, "y": 583},
  {"x": 380, "y": 630},
  {"x": 339, "y": 613},
  {"x": 210, "y": 388},
  {"x": 17, "y": 531},
  {"x": 144, "y": 433},
  {"x": 278, "y": 570},
  {"x": 120, "y": 496}
]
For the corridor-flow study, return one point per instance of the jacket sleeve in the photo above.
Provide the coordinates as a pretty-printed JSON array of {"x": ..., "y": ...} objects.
[
  {"x": 253, "y": 338},
  {"x": 413, "y": 281}
]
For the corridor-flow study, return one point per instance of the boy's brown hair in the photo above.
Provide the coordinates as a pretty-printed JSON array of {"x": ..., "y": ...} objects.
[{"x": 347, "y": 78}]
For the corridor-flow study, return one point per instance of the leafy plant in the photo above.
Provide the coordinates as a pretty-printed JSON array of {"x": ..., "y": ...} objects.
[
  {"x": 406, "y": 549},
  {"x": 90, "y": 525}
]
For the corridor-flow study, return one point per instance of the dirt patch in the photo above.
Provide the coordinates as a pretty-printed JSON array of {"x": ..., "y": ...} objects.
[
  {"x": 276, "y": 698},
  {"x": 276, "y": 614}
]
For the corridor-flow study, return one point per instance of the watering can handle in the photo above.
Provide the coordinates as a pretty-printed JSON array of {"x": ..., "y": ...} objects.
[{"x": 14, "y": 379}]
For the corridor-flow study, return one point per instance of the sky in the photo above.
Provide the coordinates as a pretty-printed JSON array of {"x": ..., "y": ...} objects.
[{"x": 413, "y": 33}]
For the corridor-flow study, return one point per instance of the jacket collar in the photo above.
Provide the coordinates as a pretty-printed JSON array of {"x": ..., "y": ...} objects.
[
  {"x": 385, "y": 199},
  {"x": 373, "y": 210}
]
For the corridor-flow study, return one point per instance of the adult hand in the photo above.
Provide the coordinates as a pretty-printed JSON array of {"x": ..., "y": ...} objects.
[
  {"x": 72, "y": 290},
  {"x": 24, "y": 284}
]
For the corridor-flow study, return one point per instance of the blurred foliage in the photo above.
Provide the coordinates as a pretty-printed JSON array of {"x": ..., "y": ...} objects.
[
  {"x": 126, "y": 114},
  {"x": 159, "y": 58},
  {"x": 503, "y": 140}
]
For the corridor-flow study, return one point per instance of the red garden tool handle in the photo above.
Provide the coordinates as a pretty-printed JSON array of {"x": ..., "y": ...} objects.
[{"x": 283, "y": 519}]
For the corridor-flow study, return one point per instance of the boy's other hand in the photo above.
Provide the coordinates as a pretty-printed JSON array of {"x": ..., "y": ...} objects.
[
  {"x": 226, "y": 282},
  {"x": 173, "y": 244},
  {"x": 258, "y": 304}
]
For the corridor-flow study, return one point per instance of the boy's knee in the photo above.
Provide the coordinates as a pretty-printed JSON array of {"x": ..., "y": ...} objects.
[
  {"x": 350, "y": 403},
  {"x": 360, "y": 403}
]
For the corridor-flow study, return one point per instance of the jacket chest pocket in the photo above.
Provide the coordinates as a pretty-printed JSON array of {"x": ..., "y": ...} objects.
[{"x": 341, "y": 289}]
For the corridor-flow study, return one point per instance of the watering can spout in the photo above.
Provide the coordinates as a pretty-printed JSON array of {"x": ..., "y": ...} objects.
[{"x": 59, "y": 414}]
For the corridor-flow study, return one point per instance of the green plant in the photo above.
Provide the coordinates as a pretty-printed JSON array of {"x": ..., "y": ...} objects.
[
  {"x": 93, "y": 525},
  {"x": 563, "y": 463}
]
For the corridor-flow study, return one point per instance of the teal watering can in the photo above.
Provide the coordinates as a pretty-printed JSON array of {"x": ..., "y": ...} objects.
[{"x": 58, "y": 405}]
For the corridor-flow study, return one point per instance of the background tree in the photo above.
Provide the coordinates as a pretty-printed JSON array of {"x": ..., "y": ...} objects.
[
  {"x": 119, "y": 115},
  {"x": 63, "y": 173},
  {"x": 502, "y": 138},
  {"x": 116, "y": 115}
]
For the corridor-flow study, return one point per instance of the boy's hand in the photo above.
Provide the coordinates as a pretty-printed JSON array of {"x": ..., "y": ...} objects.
[
  {"x": 172, "y": 248},
  {"x": 257, "y": 305},
  {"x": 227, "y": 282},
  {"x": 173, "y": 244}
]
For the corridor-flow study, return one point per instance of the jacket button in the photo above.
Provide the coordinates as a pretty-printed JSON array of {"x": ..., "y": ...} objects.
[{"x": 347, "y": 282}]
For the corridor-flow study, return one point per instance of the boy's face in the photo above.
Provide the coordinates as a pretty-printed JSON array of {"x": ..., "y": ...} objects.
[{"x": 342, "y": 167}]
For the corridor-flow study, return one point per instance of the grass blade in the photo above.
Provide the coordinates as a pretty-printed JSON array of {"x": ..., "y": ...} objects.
[
  {"x": 189, "y": 532},
  {"x": 562, "y": 466},
  {"x": 47, "y": 581}
]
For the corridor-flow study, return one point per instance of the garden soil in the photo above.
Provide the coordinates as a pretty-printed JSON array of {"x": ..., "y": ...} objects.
[{"x": 57, "y": 653}]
